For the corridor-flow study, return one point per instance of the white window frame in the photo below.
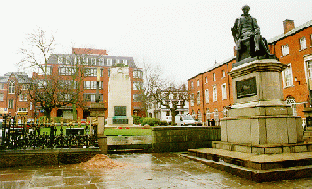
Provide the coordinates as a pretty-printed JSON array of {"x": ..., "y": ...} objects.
[
  {"x": 23, "y": 97},
  {"x": 125, "y": 61},
  {"x": 224, "y": 92},
  {"x": 214, "y": 76},
  {"x": 93, "y": 61},
  {"x": 214, "y": 93},
  {"x": 303, "y": 43},
  {"x": 60, "y": 59},
  {"x": 197, "y": 82},
  {"x": 109, "y": 62},
  {"x": 198, "y": 97},
  {"x": 287, "y": 76},
  {"x": 101, "y": 62},
  {"x": 1, "y": 86},
  {"x": 223, "y": 73},
  {"x": 10, "y": 104},
  {"x": 207, "y": 96},
  {"x": 192, "y": 85},
  {"x": 192, "y": 99},
  {"x": 206, "y": 80},
  {"x": 11, "y": 87},
  {"x": 1, "y": 97},
  {"x": 285, "y": 50}
]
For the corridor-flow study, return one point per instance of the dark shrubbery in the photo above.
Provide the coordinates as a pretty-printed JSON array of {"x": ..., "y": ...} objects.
[
  {"x": 137, "y": 120},
  {"x": 150, "y": 121}
]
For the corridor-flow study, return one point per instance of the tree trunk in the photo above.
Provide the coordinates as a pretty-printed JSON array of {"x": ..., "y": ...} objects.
[{"x": 173, "y": 117}]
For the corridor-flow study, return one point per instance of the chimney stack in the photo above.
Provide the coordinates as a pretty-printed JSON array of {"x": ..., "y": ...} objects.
[{"x": 288, "y": 25}]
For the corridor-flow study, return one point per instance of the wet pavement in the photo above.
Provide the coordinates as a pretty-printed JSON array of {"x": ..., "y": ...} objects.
[{"x": 166, "y": 170}]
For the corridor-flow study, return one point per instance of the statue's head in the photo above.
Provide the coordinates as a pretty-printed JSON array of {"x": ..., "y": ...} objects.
[{"x": 245, "y": 9}]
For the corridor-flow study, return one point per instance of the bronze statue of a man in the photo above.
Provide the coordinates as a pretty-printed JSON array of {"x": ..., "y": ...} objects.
[{"x": 246, "y": 33}]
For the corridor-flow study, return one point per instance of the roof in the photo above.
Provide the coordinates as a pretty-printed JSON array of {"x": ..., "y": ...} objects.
[
  {"x": 215, "y": 66},
  {"x": 291, "y": 32},
  {"x": 21, "y": 77}
]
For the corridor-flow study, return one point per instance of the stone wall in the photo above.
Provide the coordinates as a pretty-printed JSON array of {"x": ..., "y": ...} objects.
[
  {"x": 178, "y": 139},
  {"x": 13, "y": 158}
]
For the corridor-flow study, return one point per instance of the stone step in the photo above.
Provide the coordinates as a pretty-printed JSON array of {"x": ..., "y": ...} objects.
[{"x": 307, "y": 133}]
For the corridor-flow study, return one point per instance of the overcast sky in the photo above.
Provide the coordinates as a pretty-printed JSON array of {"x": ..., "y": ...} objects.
[{"x": 184, "y": 37}]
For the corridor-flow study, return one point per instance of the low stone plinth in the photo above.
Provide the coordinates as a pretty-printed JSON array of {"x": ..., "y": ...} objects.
[
  {"x": 264, "y": 148},
  {"x": 256, "y": 167}
]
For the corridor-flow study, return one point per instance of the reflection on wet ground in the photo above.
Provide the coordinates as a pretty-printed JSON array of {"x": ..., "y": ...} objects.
[{"x": 167, "y": 170}]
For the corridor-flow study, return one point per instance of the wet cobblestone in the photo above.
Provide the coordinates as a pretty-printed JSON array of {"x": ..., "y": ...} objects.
[{"x": 167, "y": 170}]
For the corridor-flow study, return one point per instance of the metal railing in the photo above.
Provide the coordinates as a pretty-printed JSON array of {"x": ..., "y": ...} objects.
[{"x": 31, "y": 135}]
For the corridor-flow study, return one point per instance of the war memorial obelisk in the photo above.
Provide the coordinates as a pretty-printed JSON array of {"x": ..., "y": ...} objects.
[{"x": 260, "y": 139}]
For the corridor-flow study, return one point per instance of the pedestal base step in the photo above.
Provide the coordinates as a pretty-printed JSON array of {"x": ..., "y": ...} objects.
[
  {"x": 256, "y": 167},
  {"x": 264, "y": 148}
]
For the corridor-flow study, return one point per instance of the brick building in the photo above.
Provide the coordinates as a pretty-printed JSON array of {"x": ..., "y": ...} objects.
[
  {"x": 211, "y": 91},
  {"x": 62, "y": 67},
  {"x": 14, "y": 99}
]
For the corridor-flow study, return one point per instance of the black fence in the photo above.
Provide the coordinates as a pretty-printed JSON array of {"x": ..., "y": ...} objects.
[{"x": 28, "y": 135}]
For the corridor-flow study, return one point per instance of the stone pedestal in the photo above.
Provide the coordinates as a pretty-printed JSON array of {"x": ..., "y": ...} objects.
[
  {"x": 119, "y": 98},
  {"x": 259, "y": 116},
  {"x": 97, "y": 110}
]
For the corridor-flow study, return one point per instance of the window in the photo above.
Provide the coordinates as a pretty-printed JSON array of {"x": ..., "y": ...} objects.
[
  {"x": 84, "y": 60},
  {"x": 93, "y": 61},
  {"x": 216, "y": 116},
  {"x": 1, "y": 86},
  {"x": 101, "y": 62},
  {"x": 198, "y": 97},
  {"x": 303, "y": 43},
  {"x": 311, "y": 40},
  {"x": 64, "y": 97},
  {"x": 66, "y": 70},
  {"x": 68, "y": 60},
  {"x": 223, "y": 89},
  {"x": 207, "y": 96},
  {"x": 125, "y": 61},
  {"x": 135, "y": 97},
  {"x": 22, "y": 109},
  {"x": 192, "y": 99},
  {"x": 91, "y": 97},
  {"x": 309, "y": 69},
  {"x": 11, "y": 87},
  {"x": 287, "y": 76},
  {"x": 92, "y": 72},
  {"x": 11, "y": 104},
  {"x": 223, "y": 73},
  {"x": 137, "y": 74},
  {"x": 25, "y": 86},
  {"x": 197, "y": 82},
  {"x": 285, "y": 50},
  {"x": 23, "y": 97},
  {"x": 60, "y": 60},
  {"x": 42, "y": 84},
  {"x": 192, "y": 85},
  {"x": 214, "y": 93},
  {"x": 214, "y": 77},
  {"x": 45, "y": 71},
  {"x": 206, "y": 80},
  {"x": 1, "y": 96},
  {"x": 92, "y": 85},
  {"x": 109, "y": 62},
  {"x": 136, "y": 85}
]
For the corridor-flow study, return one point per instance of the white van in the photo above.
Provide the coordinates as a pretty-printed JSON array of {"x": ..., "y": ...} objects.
[{"x": 181, "y": 120}]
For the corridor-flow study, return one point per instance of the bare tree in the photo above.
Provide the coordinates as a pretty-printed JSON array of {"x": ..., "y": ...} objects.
[
  {"x": 152, "y": 81},
  {"x": 48, "y": 89}
]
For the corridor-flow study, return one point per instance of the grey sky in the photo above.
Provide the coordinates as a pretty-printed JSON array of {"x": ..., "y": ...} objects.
[{"x": 183, "y": 37}]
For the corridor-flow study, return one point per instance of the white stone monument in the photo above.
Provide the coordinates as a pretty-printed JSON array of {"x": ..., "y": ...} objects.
[{"x": 119, "y": 97}]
